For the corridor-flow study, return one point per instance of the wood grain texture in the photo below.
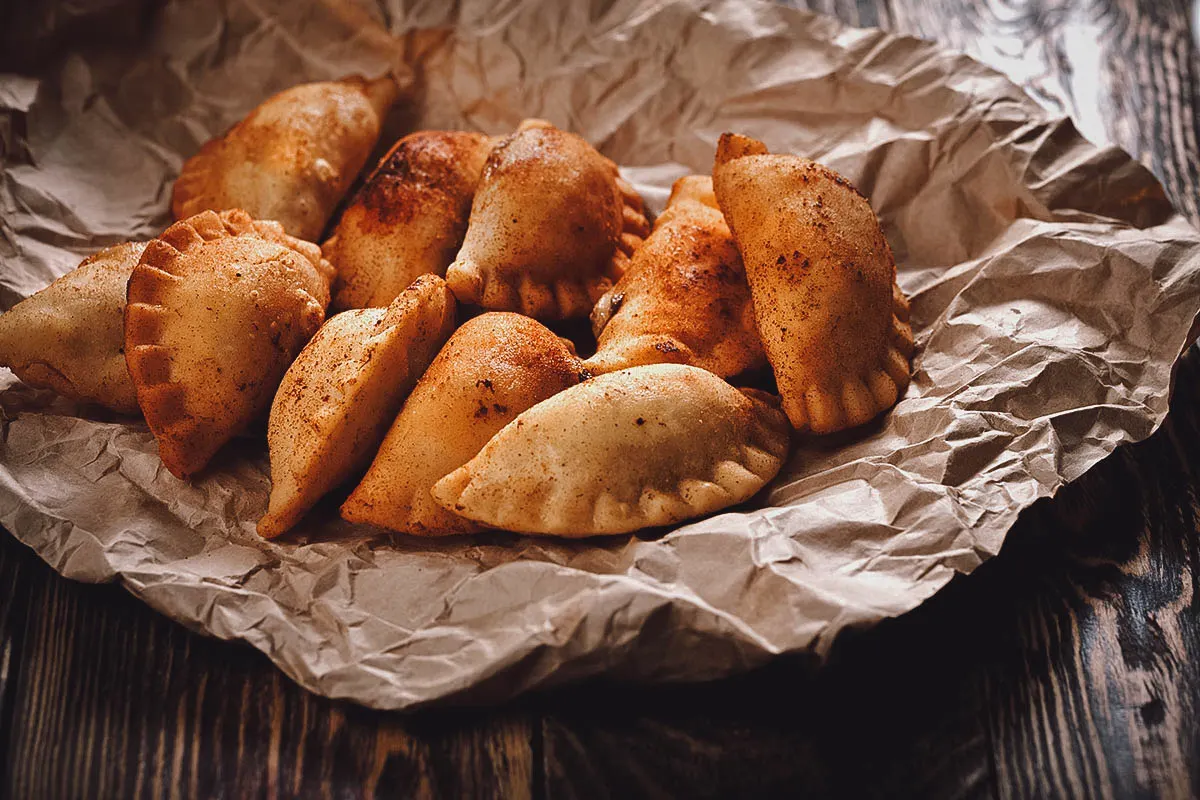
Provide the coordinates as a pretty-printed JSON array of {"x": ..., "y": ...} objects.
[
  {"x": 1069, "y": 666},
  {"x": 14, "y": 600},
  {"x": 1127, "y": 71},
  {"x": 113, "y": 700}
]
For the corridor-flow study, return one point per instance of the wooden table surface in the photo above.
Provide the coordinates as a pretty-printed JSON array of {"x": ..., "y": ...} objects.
[{"x": 1067, "y": 666}]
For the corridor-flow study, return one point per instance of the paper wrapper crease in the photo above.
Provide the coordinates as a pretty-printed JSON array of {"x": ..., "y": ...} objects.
[{"x": 1052, "y": 286}]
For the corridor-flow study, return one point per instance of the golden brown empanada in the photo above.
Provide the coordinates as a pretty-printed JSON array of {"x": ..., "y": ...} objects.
[
  {"x": 684, "y": 298},
  {"x": 647, "y": 446},
  {"x": 832, "y": 320},
  {"x": 408, "y": 219},
  {"x": 494, "y": 367},
  {"x": 344, "y": 390},
  {"x": 292, "y": 158},
  {"x": 70, "y": 336},
  {"x": 552, "y": 226},
  {"x": 218, "y": 307}
]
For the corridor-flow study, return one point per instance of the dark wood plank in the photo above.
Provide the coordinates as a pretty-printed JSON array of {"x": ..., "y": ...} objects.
[
  {"x": 14, "y": 601},
  {"x": 860, "y": 13},
  {"x": 894, "y": 716},
  {"x": 1127, "y": 71},
  {"x": 113, "y": 700},
  {"x": 1096, "y": 694},
  {"x": 1101, "y": 691}
]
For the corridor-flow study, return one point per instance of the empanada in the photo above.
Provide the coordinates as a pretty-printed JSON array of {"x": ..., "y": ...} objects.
[
  {"x": 552, "y": 226},
  {"x": 344, "y": 390},
  {"x": 408, "y": 219},
  {"x": 218, "y": 307},
  {"x": 292, "y": 158},
  {"x": 70, "y": 336},
  {"x": 647, "y": 446},
  {"x": 494, "y": 367},
  {"x": 684, "y": 298},
  {"x": 832, "y": 320}
]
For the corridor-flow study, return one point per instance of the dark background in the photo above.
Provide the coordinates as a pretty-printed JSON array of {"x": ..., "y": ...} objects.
[{"x": 1067, "y": 666}]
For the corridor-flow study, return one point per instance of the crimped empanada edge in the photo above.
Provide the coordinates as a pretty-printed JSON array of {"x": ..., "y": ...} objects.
[
  {"x": 859, "y": 398},
  {"x": 734, "y": 478},
  {"x": 162, "y": 400}
]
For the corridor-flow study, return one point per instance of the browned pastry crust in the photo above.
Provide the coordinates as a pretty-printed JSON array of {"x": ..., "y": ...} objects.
[
  {"x": 494, "y": 367},
  {"x": 69, "y": 337},
  {"x": 343, "y": 391},
  {"x": 832, "y": 319},
  {"x": 552, "y": 227},
  {"x": 684, "y": 298},
  {"x": 218, "y": 306},
  {"x": 292, "y": 158},
  {"x": 642, "y": 447},
  {"x": 408, "y": 219}
]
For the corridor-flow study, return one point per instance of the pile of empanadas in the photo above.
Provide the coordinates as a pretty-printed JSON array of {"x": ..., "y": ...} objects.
[{"x": 440, "y": 396}]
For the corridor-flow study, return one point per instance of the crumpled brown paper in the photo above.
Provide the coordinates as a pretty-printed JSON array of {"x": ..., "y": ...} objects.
[{"x": 1052, "y": 286}]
